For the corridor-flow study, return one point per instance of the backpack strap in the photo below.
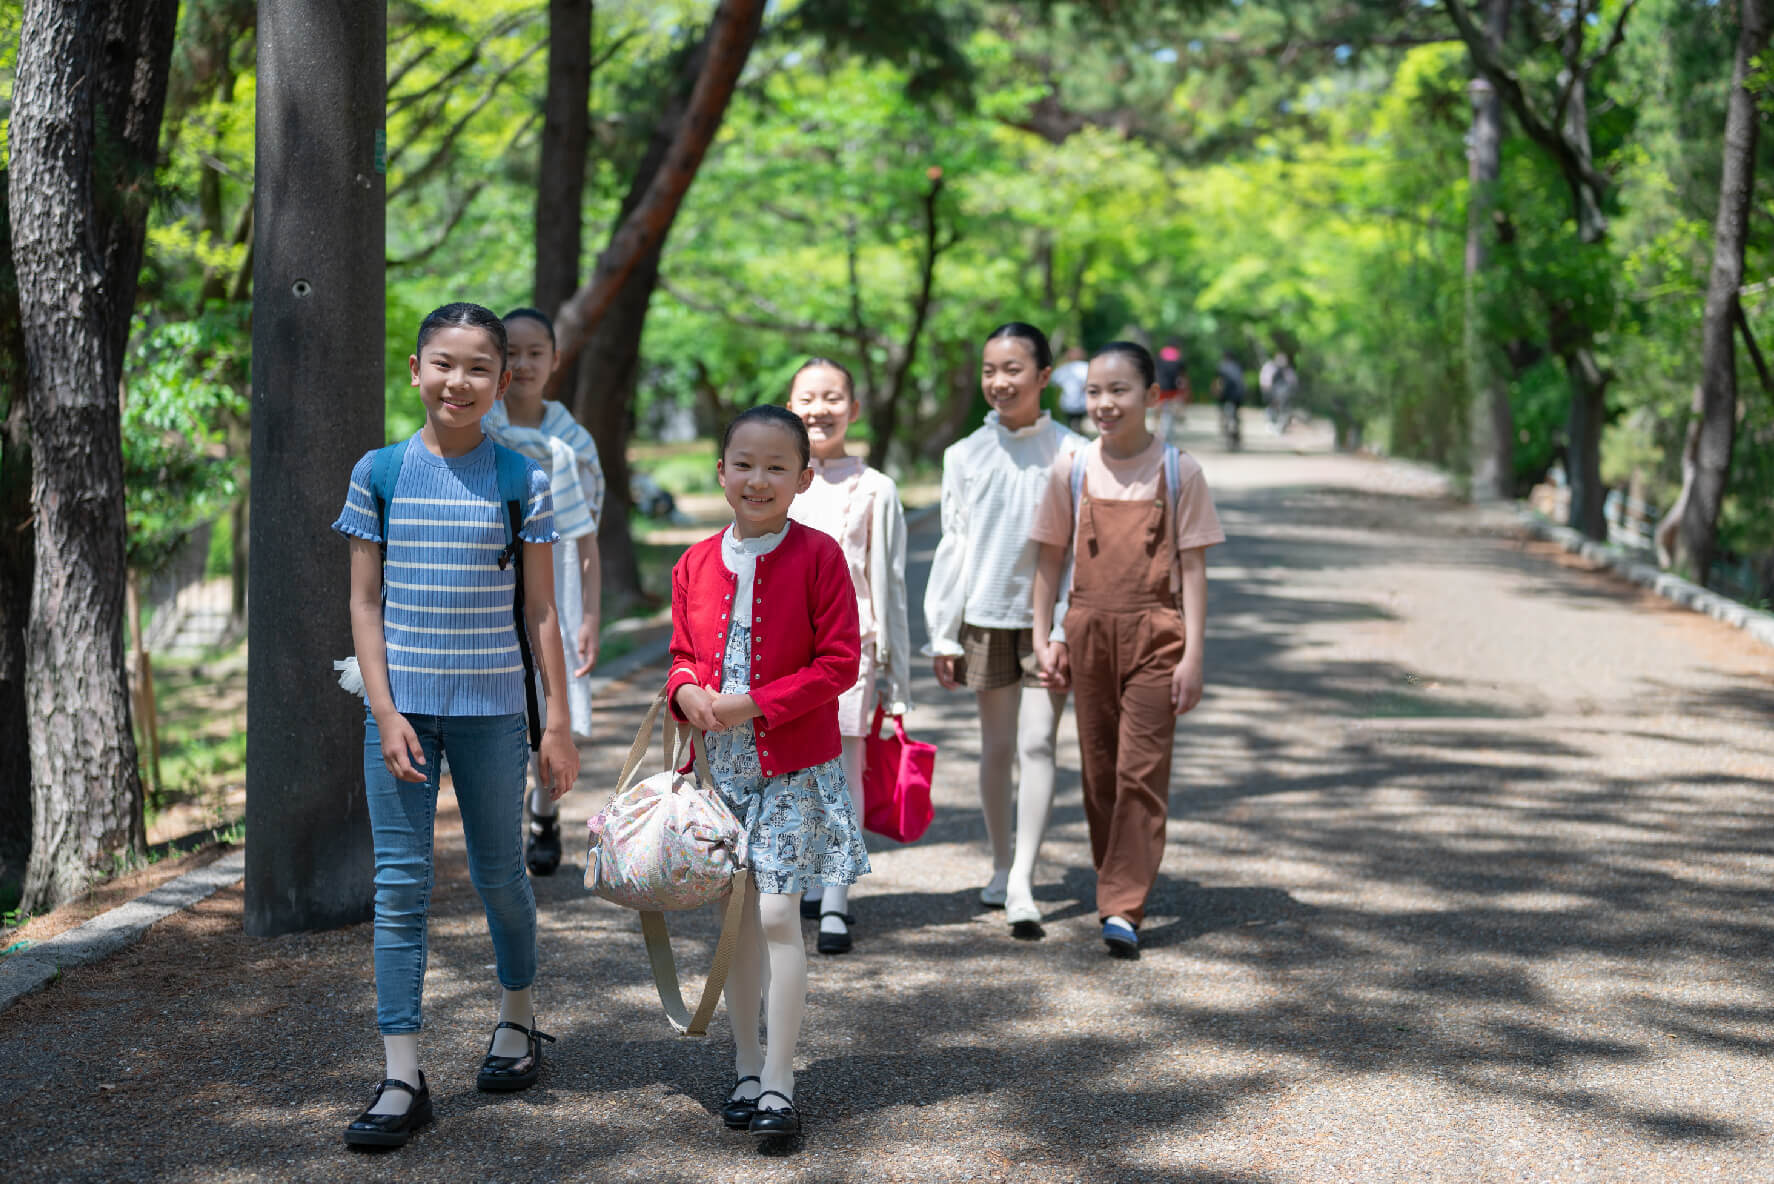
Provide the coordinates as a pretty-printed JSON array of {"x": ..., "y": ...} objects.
[
  {"x": 384, "y": 472},
  {"x": 514, "y": 488},
  {"x": 1173, "y": 480}
]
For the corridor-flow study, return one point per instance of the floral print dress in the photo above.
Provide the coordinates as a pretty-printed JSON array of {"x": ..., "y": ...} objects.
[{"x": 801, "y": 827}]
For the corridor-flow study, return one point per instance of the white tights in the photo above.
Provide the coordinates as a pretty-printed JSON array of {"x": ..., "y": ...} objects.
[
  {"x": 835, "y": 898},
  {"x": 1022, "y": 722},
  {"x": 770, "y": 933},
  {"x": 541, "y": 804}
]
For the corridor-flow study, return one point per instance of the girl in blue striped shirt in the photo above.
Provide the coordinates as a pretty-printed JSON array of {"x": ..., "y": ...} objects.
[{"x": 437, "y": 647}]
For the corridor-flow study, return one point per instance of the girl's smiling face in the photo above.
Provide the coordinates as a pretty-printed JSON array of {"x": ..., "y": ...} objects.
[
  {"x": 1011, "y": 382},
  {"x": 530, "y": 356},
  {"x": 761, "y": 472},
  {"x": 821, "y": 397},
  {"x": 1116, "y": 396},
  {"x": 460, "y": 374}
]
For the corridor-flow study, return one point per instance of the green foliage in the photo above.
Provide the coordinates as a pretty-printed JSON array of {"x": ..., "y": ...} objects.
[{"x": 185, "y": 379}]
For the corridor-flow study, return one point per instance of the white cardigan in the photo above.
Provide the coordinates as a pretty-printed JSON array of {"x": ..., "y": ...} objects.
[{"x": 984, "y": 570}]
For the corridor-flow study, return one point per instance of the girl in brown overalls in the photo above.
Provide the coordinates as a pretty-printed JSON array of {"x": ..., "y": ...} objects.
[{"x": 1134, "y": 631}]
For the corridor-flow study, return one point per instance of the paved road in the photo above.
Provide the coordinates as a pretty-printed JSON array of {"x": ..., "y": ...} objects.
[{"x": 1468, "y": 880}]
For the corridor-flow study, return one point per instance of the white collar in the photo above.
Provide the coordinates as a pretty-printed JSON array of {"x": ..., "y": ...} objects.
[
  {"x": 751, "y": 548},
  {"x": 1040, "y": 425}
]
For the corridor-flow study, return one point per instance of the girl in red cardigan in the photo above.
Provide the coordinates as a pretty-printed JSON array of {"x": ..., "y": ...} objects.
[{"x": 764, "y": 640}]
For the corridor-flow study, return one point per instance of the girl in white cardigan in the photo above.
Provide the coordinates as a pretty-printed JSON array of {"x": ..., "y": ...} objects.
[
  {"x": 979, "y": 606},
  {"x": 859, "y": 507}
]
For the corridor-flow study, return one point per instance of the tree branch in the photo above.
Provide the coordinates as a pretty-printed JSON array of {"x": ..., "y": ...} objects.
[
  {"x": 447, "y": 148},
  {"x": 1749, "y": 344},
  {"x": 730, "y": 38},
  {"x": 773, "y": 325}
]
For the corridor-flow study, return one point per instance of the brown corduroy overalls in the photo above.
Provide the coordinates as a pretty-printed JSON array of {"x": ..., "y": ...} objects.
[{"x": 1124, "y": 637}]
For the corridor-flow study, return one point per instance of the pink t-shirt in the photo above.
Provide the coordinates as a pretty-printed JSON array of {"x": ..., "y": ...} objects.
[{"x": 1134, "y": 478}]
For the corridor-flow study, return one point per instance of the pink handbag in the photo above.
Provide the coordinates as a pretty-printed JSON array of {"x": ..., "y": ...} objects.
[{"x": 896, "y": 776}]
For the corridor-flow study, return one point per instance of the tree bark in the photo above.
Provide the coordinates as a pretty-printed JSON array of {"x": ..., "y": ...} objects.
[
  {"x": 646, "y": 223},
  {"x": 604, "y": 319},
  {"x": 566, "y": 139},
  {"x": 884, "y": 415},
  {"x": 90, "y": 89},
  {"x": 1491, "y": 421},
  {"x": 1714, "y": 427},
  {"x": 1588, "y": 415},
  {"x": 317, "y": 310},
  {"x": 17, "y": 541}
]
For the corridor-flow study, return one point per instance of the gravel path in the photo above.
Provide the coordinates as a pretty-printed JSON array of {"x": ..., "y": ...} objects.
[{"x": 1468, "y": 860}]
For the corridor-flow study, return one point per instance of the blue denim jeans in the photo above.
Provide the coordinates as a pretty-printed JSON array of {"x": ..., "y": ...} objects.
[{"x": 489, "y": 758}]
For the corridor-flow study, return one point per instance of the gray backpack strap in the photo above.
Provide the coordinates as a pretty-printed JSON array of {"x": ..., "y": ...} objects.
[{"x": 1173, "y": 480}]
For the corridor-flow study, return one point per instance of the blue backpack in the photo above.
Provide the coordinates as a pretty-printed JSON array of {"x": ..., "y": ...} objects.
[{"x": 514, "y": 487}]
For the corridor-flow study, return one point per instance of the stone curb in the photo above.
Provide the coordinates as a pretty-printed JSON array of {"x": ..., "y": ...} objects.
[
  {"x": 1684, "y": 593},
  {"x": 37, "y": 966}
]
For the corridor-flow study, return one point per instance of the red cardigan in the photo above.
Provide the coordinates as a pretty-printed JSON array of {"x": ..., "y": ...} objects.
[{"x": 805, "y": 645}]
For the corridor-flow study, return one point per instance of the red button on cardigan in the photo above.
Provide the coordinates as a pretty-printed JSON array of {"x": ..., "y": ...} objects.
[{"x": 812, "y": 654}]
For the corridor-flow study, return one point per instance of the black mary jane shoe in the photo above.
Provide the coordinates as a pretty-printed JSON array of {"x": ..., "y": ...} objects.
[
  {"x": 391, "y": 1130},
  {"x": 809, "y": 909},
  {"x": 737, "y": 1112},
  {"x": 835, "y": 943},
  {"x": 786, "y": 1121},
  {"x": 543, "y": 851},
  {"x": 499, "y": 1075}
]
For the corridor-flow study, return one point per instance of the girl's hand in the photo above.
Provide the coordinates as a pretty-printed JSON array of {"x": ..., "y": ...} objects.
[
  {"x": 587, "y": 640},
  {"x": 1185, "y": 685},
  {"x": 558, "y": 762},
  {"x": 944, "y": 665},
  {"x": 733, "y": 710},
  {"x": 1056, "y": 665},
  {"x": 697, "y": 705},
  {"x": 401, "y": 750}
]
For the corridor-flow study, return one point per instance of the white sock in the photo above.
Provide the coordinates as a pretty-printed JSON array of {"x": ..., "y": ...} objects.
[
  {"x": 780, "y": 918},
  {"x": 402, "y": 1056},
  {"x": 997, "y": 748},
  {"x": 515, "y": 1007},
  {"x": 541, "y": 804},
  {"x": 1037, "y": 728},
  {"x": 835, "y": 898}
]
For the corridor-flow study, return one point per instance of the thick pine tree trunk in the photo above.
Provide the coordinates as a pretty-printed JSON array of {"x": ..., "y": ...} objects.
[
  {"x": 1713, "y": 431},
  {"x": 566, "y": 138},
  {"x": 86, "y": 69},
  {"x": 17, "y": 543},
  {"x": 1492, "y": 424}
]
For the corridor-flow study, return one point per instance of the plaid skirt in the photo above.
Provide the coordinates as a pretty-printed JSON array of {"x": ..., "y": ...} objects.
[{"x": 993, "y": 658}]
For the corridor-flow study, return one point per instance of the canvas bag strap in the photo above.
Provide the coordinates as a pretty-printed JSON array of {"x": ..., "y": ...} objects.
[
  {"x": 665, "y": 971},
  {"x": 1173, "y": 478}
]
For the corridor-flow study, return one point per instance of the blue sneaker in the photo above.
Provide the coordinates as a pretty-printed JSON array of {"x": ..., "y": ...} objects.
[{"x": 1121, "y": 938}]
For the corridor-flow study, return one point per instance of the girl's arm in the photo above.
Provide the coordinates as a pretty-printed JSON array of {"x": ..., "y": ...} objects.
[
  {"x": 945, "y": 593},
  {"x": 688, "y": 701},
  {"x": 1050, "y": 566},
  {"x": 1186, "y": 680},
  {"x": 558, "y": 758},
  {"x": 591, "y": 596},
  {"x": 837, "y": 648},
  {"x": 887, "y": 543},
  {"x": 400, "y": 744}
]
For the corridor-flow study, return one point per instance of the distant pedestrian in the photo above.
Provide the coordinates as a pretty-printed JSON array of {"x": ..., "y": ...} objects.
[
  {"x": 1137, "y": 516},
  {"x": 1173, "y": 387},
  {"x": 769, "y": 712},
  {"x": 858, "y": 506},
  {"x": 1069, "y": 377},
  {"x": 1228, "y": 385},
  {"x": 1278, "y": 383},
  {"x": 546, "y": 432},
  {"x": 978, "y": 610},
  {"x": 445, "y": 528}
]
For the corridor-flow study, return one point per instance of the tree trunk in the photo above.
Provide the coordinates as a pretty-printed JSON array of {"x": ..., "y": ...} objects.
[
  {"x": 90, "y": 87},
  {"x": 647, "y": 220},
  {"x": 1492, "y": 424},
  {"x": 17, "y": 541},
  {"x": 1588, "y": 415},
  {"x": 884, "y": 415},
  {"x": 318, "y": 306},
  {"x": 566, "y": 138},
  {"x": 609, "y": 368},
  {"x": 1715, "y": 426}
]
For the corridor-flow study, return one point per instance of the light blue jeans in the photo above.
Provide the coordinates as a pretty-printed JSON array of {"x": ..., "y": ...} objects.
[{"x": 489, "y": 759}]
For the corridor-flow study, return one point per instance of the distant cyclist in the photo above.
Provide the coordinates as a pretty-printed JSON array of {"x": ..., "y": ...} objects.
[
  {"x": 1173, "y": 386},
  {"x": 1229, "y": 390},
  {"x": 1278, "y": 382}
]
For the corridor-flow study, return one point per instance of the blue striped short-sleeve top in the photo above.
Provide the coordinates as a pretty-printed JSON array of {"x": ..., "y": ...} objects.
[{"x": 447, "y": 612}]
